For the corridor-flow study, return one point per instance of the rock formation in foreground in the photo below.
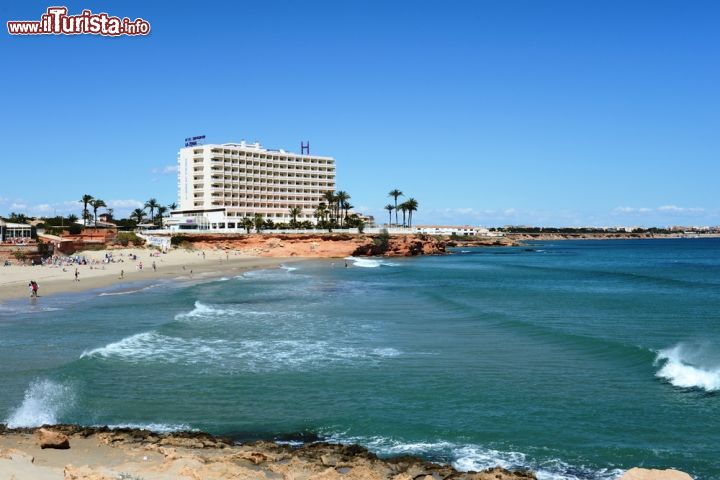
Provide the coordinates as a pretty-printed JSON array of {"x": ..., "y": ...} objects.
[{"x": 104, "y": 454}]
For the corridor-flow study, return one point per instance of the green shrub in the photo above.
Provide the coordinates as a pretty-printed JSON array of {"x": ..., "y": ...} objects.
[{"x": 126, "y": 238}]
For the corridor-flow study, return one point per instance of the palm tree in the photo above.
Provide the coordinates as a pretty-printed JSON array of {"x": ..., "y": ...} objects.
[
  {"x": 161, "y": 211},
  {"x": 411, "y": 205},
  {"x": 330, "y": 198},
  {"x": 294, "y": 212},
  {"x": 96, "y": 204},
  {"x": 389, "y": 208},
  {"x": 172, "y": 206},
  {"x": 395, "y": 194},
  {"x": 138, "y": 215},
  {"x": 320, "y": 212},
  {"x": 258, "y": 222},
  {"x": 85, "y": 200},
  {"x": 248, "y": 224},
  {"x": 72, "y": 218},
  {"x": 151, "y": 205},
  {"x": 110, "y": 212},
  {"x": 348, "y": 207},
  {"x": 403, "y": 209},
  {"x": 341, "y": 198}
]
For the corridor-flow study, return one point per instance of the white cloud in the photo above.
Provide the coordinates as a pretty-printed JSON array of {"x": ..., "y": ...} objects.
[
  {"x": 167, "y": 170},
  {"x": 664, "y": 209},
  {"x": 128, "y": 204}
]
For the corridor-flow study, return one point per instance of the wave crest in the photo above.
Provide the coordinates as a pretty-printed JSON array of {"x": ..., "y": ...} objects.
[
  {"x": 685, "y": 367},
  {"x": 43, "y": 403}
]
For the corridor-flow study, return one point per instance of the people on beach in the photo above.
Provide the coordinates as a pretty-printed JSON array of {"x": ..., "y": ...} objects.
[
  {"x": 33, "y": 287},
  {"x": 77, "y": 275},
  {"x": 122, "y": 274}
]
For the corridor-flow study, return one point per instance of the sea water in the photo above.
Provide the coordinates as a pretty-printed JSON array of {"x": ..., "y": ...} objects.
[{"x": 575, "y": 359}]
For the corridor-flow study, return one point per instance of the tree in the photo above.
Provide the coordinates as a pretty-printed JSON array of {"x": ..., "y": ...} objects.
[
  {"x": 96, "y": 204},
  {"x": 172, "y": 206},
  {"x": 110, "y": 213},
  {"x": 86, "y": 216},
  {"x": 320, "y": 213},
  {"x": 151, "y": 205},
  {"x": 390, "y": 209},
  {"x": 85, "y": 200},
  {"x": 348, "y": 207},
  {"x": 248, "y": 224},
  {"x": 258, "y": 221},
  {"x": 411, "y": 205},
  {"x": 329, "y": 197},
  {"x": 161, "y": 211},
  {"x": 138, "y": 215},
  {"x": 403, "y": 209},
  {"x": 294, "y": 212},
  {"x": 341, "y": 198},
  {"x": 17, "y": 217},
  {"x": 72, "y": 218},
  {"x": 395, "y": 194}
]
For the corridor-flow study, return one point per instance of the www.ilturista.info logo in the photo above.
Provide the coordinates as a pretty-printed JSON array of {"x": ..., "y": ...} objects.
[{"x": 56, "y": 21}]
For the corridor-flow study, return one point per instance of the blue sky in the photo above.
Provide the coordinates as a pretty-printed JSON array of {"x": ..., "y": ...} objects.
[{"x": 486, "y": 112}]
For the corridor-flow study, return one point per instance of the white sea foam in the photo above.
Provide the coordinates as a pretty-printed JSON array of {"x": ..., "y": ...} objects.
[
  {"x": 44, "y": 401},
  {"x": 152, "y": 346},
  {"x": 288, "y": 268},
  {"x": 156, "y": 427},
  {"x": 244, "y": 355},
  {"x": 471, "y": 457},
  {"x": 687, "y": 366},
  {"x": 127, "y": 292},
  {"x": 370, "y": 262}
]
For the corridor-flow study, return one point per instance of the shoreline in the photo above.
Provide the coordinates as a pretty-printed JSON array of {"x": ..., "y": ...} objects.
[
  {"x": 176, "y": 265},
  {"x": 74, "y": 452},
  {"x": 103, "y": 453}
]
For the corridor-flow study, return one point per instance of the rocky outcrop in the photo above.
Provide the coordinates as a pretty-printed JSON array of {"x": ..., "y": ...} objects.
[
  {"x": 329, "y": 245},
  {"x": 52, "y": 439},
  {"x": 153, "y": 456},
  {"x": 651, "y": 474}
]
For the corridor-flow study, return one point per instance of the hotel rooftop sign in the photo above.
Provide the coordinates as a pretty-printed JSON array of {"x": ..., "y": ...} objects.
[{"x": 193, "y": 141}]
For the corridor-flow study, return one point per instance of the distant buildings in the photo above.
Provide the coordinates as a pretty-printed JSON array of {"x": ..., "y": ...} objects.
[
  {"x": 221, "y": 184},
  {"x": 459, "y": 231},
  {"x": 14, "y": 232}
]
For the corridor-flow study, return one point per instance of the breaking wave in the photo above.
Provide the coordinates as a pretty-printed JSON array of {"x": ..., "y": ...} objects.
[
  {"x": 370, "y": 262},
  {"x": 243, "y": 355},
  {"x": 470, "y": 457},
  {"x": 43, "y": 403},
  {"x": 686, "y": 366}
]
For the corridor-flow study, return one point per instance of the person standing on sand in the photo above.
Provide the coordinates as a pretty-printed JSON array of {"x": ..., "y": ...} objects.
[
  {"x": 122, "y": 274},
  {"x": 77, "y": 275},
  {"x": 154, "y": 267}
]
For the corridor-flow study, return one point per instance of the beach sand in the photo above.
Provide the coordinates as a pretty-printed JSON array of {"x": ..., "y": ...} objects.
[{"x": 176, "y": 264}]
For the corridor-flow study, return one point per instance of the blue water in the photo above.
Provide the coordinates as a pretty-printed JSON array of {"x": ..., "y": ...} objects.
[{"x": 575, "y": 359}]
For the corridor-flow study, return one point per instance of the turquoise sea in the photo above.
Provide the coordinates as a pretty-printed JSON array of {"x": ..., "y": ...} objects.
[{"x": 575, "y": 359}]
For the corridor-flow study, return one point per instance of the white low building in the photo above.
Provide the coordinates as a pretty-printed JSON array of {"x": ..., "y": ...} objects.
[{"x": 459, "y": 231}]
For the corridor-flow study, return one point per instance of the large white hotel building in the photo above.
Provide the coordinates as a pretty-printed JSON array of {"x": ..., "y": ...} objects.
[{"x": 219, "y": 184}]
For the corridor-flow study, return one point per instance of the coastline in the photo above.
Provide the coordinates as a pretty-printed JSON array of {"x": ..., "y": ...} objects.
[
  {"x": 101, "y": 453},
  {"x": 173, "y": 266}
]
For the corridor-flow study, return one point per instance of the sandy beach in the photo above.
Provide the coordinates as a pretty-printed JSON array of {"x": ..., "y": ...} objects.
[{"x": 176, "y": 264}]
